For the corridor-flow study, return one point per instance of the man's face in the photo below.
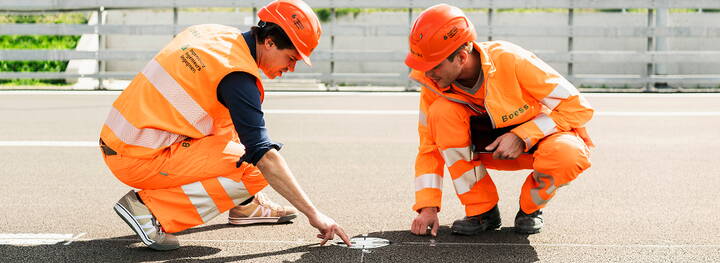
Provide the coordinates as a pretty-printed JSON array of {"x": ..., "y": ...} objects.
[
  {"x": 446, "y": 72},
  {"x": 276, "y": 61}
]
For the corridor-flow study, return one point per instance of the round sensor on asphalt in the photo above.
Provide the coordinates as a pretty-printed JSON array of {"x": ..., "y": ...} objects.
[{"x": 365, "y": 242}]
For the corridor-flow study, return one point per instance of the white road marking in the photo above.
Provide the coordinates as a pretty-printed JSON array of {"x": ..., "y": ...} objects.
[
  {"x": 74, "y": 238},
  {"x": 435, "y": 243},
  {"x": 34, "y": 239},
  {"x": 356, "y": 93},
  {"x": 660, "y": 114},
  {"x": 24, "y": 143},
  {"x": 49, "y": 144},
  {"x": 343, "y": 112},
  {"x": 564, "y": 245},
  {"x": 67, "y": 239},
  {"x": 415, "y": 112}
]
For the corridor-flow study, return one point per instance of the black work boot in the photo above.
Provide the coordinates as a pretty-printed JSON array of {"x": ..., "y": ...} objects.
[
  {"x": 528, "y": 223},
  {"x": 473, "y": 225}
]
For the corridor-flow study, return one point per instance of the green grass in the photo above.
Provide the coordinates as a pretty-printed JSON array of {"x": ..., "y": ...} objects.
[
  {"x": 60, "y": 18},
  {"x": 37, "y": 42}
]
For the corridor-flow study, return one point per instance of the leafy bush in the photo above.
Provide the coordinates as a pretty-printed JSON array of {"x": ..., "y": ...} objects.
[
  {"x": 38, "y": 42},
  {"x": 325, "y": 13}
]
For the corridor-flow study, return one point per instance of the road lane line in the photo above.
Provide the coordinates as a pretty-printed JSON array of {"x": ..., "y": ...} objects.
[
  {"x": 415, "y": 112},
  {"x": 361, "y": 93},
  {"x": 67, "y": 239},
  {"x": 562, "y": 245},
  {"x": 432, "y": 243},
  {"x": 342, "y": 112},
  {"x": 33, "y": 239},
  {"x": 74, "y": 238},
  {"x": 49, "y": 143}
]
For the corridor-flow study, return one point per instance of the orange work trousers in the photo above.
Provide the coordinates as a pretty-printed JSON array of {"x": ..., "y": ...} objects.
[
  {"x": 558, "y": 159},
  {"x": 192, "y": 181}
]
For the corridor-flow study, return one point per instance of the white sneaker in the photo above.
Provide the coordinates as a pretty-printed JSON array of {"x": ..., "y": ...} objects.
[{"x": 139, "y": 218}]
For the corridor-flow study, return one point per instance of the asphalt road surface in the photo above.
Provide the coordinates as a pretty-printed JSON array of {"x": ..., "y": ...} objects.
[{"x": 651, "y": 194}]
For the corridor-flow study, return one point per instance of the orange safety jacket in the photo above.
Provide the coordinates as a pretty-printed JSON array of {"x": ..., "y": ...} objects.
[
  {"x": 175, "y": 95},
  {"x": 518, "y": 88}
]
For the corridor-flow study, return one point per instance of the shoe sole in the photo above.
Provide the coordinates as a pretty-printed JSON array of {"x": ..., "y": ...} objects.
[
  {"x": 134, "y": 224},
  {"x": 462, "y": 232},
  {"x": 260, "y": 220}
]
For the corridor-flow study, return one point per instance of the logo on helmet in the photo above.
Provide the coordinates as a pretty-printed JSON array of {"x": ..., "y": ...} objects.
[
  {"x": 415, "y": 53},
  {"x": 450, "y": 34},
  {"x": 297, "y": 22}
]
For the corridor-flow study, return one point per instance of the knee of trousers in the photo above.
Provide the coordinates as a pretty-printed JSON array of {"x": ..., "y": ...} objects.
[{"x": 564, "y": 160}]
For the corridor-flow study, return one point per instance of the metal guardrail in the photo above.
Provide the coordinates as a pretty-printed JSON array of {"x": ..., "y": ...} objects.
[
  {"x": 382, "y": 30},
  {"x": 66, "y": 5},
  {"x": 655, "y": 31}
]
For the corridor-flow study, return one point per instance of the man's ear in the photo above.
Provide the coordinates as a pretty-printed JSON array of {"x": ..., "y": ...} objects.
[
  {"x": 269, "y": 43},
  {"x": 463, "y": 56}
]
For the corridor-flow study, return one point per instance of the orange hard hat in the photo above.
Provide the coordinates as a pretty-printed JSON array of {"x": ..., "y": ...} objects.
[
  {"x": 437, "y": 33},
  {"x": 298, "y": 21}
]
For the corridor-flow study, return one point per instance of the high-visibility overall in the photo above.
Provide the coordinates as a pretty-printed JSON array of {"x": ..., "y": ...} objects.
[
  {"x": 174, "y": 139},
  {"x": 519, "y": 89}
]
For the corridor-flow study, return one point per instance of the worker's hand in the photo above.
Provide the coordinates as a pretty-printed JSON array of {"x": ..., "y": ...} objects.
[
  {"x": 427, "y": 218},
  {"x": 506, "y": 147},
  {"x": 328, "y": 228}
]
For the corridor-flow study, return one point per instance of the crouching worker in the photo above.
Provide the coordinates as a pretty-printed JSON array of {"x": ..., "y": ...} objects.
[
  {"x": 503, "y": 86},
  {"x": 189, "y": 129}
]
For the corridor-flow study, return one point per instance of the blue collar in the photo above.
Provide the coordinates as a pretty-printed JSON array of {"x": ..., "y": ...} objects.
[{"x": 250, "y": 40}]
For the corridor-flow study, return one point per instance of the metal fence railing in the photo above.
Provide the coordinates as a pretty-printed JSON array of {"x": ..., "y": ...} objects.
[{"x": 654, "y": 32}]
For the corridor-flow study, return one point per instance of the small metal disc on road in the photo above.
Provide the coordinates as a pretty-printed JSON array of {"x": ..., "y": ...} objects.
[{"x": 365, "y": 242}]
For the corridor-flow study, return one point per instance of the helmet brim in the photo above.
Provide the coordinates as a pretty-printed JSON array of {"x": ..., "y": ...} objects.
[
  {"x": 305, "y": 58},
  {"x": 420, "y": 65}
]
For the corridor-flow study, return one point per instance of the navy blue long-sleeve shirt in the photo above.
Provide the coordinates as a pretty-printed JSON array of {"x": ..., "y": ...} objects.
[{"x": 239, "y": 93}]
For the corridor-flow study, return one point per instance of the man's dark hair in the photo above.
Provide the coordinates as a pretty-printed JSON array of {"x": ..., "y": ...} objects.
[
  {"x": 467, "y": 46},
  {"x": 273, "y": 31}
]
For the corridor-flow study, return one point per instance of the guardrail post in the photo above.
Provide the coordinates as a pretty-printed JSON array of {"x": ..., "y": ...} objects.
[
  {"x": 175, "y": 21},
  {"x": 408, "y": 83},
  {"x": 491, "y": 11},
  {"x": 331, "y": 83},
  {"x": 255, "y": 17},
  {"x": 649, "y": 85},
  {"x": 571, "y": 40},
  {"x": 101, "y": 46},
  {"x": 661, "y": 43}
]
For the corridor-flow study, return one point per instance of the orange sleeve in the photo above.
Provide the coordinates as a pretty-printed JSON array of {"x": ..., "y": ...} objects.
[{"x": 568, "y": 108}]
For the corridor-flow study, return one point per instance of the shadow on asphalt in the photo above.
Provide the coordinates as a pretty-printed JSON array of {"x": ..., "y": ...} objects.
[
  {"x": 503, "y": 245},
  {"x": 124, "y": 248}
]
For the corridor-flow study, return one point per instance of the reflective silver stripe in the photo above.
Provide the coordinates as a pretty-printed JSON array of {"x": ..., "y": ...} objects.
[
  {"x": 199, "y": 197},
  {"x": 178, "y": 97},
  {"x": 563, "y": 90},
  {"x": 464, "y": 183},
  {"x": 428, "y": 181},
  {"x": 453, "y": 155},
  {"x": 551, "y": 103},
  {"x": 147, "y": 137},
  {"x": 236, "y": 190},
  {"x": 535, "y": 192},
  {"x": 545, "y": 124},
  {"x": 422, "y": 119}
]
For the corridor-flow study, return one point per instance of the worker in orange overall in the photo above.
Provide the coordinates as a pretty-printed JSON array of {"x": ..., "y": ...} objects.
[
  {"x": 189, "y": 129},
  {"x": 472, "y": 90}
]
